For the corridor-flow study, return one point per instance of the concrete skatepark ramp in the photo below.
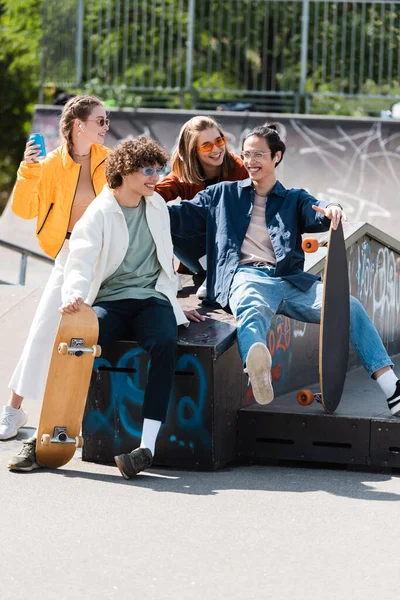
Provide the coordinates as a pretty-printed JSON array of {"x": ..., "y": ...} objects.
[{"x": 355, "y": 162}]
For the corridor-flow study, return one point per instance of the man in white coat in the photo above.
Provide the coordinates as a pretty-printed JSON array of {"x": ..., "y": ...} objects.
[{"x": 121, "y": 262}]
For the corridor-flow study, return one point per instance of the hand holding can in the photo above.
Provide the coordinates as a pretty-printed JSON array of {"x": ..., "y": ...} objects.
[{"x": 35, "y": 148}]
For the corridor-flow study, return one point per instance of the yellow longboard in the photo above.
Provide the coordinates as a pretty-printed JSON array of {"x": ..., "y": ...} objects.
[{"x": 74, "y": 351}]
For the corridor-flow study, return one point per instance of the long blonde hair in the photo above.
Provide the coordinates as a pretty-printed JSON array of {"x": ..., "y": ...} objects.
[
  {"x": 78, "y": 107},
  {"x": 185, "y": 163}
]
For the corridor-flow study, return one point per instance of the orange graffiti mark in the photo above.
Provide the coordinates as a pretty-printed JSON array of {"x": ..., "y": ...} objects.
[
  {"x": 276, "y": 372},
  {"x": 284, "y": 334},
  {"x": 249, "y": 398},
  {"x": 282, "y": 338},
  {"x": 271, "y": 342}
]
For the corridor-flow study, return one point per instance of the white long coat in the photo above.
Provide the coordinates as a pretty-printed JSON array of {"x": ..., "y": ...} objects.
[{"x": 99, "y": 243}]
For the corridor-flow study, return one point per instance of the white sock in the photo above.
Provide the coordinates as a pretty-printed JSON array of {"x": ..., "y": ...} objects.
[
  {"x": 387, "y": 383},
  {"x": 149, "y": 434}
]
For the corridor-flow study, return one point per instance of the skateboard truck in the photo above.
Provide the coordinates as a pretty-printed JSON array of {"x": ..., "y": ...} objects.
[
  {"x": 306, "y": 397},
  {"x": 60, "y": 436},
  {"x": 77, "y": 348},
  {"x": 311, "y": 245}
]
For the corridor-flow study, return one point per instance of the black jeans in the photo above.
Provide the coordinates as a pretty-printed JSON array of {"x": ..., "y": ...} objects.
[{"x": 152, "y": 324}]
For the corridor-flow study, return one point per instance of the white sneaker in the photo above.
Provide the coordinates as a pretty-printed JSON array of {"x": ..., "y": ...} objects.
[
  {"x": 258, "y": 366},
  {"x": 11, "y": 419},
  {"x": 202, "y": 290}
]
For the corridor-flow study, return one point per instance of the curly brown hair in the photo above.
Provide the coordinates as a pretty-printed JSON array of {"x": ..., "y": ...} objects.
[{"x": 130, "y": 156}]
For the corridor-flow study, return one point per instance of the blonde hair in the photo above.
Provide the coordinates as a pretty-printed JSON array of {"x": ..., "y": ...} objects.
[
  {"x": 185, "y": 163},
  {"x": 78, "y": 107}
]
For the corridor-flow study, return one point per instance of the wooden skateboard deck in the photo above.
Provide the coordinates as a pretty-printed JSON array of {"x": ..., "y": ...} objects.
[
  {"x": 335, "y": 324},
  {"x": 67, "y": 387}
]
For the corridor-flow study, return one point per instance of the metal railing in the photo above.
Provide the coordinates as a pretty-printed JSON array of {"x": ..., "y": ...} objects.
[
  {"x": 25, "y": 253},
  {"x": 237, "y": 48}
]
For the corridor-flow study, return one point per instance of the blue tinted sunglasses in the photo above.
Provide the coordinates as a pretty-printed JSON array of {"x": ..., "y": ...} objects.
[{"x": 149, "y": 171}]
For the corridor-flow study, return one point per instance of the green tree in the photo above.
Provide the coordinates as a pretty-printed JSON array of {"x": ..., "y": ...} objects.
[{"x": 20, "y": 32}]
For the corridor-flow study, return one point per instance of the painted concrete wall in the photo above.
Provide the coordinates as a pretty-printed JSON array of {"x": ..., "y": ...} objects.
[{"x": 352, "y": 161}]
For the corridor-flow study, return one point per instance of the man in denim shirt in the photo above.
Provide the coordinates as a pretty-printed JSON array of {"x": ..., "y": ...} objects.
[{"x": 255, "y": 261}]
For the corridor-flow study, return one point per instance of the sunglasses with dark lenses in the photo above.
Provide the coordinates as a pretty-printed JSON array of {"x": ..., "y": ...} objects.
[
  {"x": 100, "y": 121},
  {"x": 149, "y": 171},
  {"x": 208, "y": 146}
]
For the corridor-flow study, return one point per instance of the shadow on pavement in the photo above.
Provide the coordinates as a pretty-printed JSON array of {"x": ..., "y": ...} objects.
[{"x": 250, "y": 478}]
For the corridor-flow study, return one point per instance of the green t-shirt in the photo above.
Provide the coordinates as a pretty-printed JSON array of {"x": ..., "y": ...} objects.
[{"x": 137, "y": 275}]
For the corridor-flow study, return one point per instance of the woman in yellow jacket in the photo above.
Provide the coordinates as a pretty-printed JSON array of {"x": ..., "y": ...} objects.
[{"x": 56, "y": 191}]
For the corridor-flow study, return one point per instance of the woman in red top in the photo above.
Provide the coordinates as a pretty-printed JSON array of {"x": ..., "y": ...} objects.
[{"x": 200, "y": 159}]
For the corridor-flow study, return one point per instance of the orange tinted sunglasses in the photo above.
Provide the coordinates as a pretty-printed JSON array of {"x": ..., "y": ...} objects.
[{"x": 208, "y": 146}]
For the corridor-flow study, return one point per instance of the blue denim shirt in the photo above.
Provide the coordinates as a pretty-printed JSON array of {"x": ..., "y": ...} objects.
[{"x": 223, "y": 212}]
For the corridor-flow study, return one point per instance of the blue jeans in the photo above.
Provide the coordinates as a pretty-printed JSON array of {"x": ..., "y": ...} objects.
[{"x": 256, "y": 296}]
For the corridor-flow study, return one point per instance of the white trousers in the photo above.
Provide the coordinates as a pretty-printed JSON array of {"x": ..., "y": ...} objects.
[{"x": 30, "y": 376}]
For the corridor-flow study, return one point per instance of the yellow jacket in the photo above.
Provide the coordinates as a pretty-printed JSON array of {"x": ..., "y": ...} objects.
[{"x": 46, "y": 190}]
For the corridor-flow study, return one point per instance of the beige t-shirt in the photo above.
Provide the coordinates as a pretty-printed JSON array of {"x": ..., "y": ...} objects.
[
  {"x": 257, "y": 245},
  {"x": 85, "y": 193}
]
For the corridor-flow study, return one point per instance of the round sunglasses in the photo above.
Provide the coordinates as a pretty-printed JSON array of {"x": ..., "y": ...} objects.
[
  {"x": 100, "y": 121},
  {"x": 208, "y": 146},
  {"x": 149, "y": 171}
]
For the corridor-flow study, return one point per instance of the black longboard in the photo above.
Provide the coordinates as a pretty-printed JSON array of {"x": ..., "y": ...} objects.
[{"x": 335, "y": 323}]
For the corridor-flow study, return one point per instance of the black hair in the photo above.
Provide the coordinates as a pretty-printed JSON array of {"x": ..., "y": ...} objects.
[{"x": 270, "y": 133}]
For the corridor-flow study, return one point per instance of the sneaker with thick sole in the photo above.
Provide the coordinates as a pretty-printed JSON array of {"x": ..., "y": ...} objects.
[
  {"x": 11, "y": 420},
  {"x": 202, "y": 290},
  {"x": 258, "y": 366},
  {"x": 25, "y": 460},
  {"x": 131, "y": 464},
  {"x": 394, "y": 401}
]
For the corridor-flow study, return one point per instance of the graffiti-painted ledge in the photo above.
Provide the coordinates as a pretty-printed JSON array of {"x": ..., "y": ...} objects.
[
  {"x": 210, "y": 387},
  {"x": 200, "y": 431},
  {"x": 374, "y": 277},
  {"x": 353, "y": 233},
  {"x": 360, "y": 433}
]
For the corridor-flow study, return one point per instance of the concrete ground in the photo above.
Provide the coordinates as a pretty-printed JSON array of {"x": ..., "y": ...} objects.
[{"x": 251, "y": 532}]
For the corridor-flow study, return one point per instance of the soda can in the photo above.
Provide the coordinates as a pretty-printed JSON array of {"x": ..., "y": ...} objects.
[{"x": 38, "y": 139}]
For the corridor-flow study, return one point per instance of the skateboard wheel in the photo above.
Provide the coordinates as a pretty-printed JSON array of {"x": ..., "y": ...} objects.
[
  {"x": 310, "y": 245},
  {"x": 79, "y": 441},
  {"x": 62, "y": 348},
  {"x": 45, "y": 440},
  {"x": 305, "y": 397},
  {"x": 97, "y": 351}
]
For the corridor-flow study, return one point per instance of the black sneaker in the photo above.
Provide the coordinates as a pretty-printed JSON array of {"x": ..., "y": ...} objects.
[
  {"x": 134, "y": 462},
  {"x": 25, "y": 460},
  {"x": 394, "y": 401}
]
